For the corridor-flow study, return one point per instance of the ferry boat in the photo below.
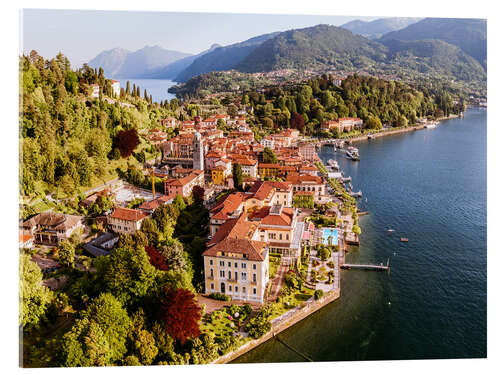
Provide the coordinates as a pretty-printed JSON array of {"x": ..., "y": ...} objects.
[{"x": 353, "y": 153}]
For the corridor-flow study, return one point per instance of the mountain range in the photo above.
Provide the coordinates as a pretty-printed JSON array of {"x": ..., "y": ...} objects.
[
  {"x": 454, "y": 48},
  {"x": 121, "y": 63},
  {"x": 376, "y": 28}
]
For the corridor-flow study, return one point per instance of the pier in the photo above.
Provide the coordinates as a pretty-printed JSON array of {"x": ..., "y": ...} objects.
[{"x": 368, "y": 267}]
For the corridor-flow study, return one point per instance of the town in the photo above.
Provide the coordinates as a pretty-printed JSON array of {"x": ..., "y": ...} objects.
[{"x": 279, "y": 220}]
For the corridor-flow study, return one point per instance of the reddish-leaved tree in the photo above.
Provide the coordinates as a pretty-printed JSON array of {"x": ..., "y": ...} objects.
[
  {"x": 156, "y": 259},
  {"x": 297, "y": 121},
  {"x": 181, "y": 314},
  {"x": 127, "y": 141}
]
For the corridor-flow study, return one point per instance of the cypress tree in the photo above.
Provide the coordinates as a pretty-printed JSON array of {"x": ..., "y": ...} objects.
[{"x": 127, "y": 91}]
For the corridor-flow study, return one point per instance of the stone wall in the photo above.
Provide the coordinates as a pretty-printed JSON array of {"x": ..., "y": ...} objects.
[{"x": 302, "y": 313}]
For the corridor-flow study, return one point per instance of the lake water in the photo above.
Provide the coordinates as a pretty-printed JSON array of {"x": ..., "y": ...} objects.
[
  {"x": 157, "y": 88},
  {"x": 429, "y": 186}
]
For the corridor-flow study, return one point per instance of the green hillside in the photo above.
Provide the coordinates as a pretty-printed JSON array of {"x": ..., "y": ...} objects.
[
  {"x": 314, "y": 48},
  {"x": 467, "y": 34}
]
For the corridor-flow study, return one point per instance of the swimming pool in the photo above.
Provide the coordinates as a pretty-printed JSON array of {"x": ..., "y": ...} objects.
[{"x": 331, "y": 232}]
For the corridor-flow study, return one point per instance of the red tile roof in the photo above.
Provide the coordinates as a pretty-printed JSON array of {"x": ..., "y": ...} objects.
[
  {"x": 252, "y": 250},
  {"x": 128, "y": 214}
]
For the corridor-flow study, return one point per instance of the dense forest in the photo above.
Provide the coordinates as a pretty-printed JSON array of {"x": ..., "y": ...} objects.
[
  {"x": 68, "y": 139},
  {"x": 375, "y": 101}
]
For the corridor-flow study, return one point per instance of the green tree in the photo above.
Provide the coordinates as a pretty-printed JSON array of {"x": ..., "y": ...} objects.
[
  {"x": 127, "y": 274},
  {"x": 238, "y": 176},
  {"x": 98, "y": 337},
  {"x": 67, "y": 254},
  {"x": 268, "y": 156},
  {"x": 34, "y": 298}
]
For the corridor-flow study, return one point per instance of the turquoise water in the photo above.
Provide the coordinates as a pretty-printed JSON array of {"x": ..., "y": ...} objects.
[
  {"x": 330, "y": 232},
  {"x": 429, "y": 186}
]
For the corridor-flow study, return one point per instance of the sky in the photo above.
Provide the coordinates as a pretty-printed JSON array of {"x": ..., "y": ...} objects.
[{"x": 83, "y": 34}]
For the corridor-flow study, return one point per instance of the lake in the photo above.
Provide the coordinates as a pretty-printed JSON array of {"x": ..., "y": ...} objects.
[
  {"x": 157, "y": 88},
  {"x": 429, "y": 186}
]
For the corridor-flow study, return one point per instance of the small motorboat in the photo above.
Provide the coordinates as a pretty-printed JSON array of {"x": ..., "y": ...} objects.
[
  {"x": 404, "y": 239},
  {"x": 390, "y": 231}
]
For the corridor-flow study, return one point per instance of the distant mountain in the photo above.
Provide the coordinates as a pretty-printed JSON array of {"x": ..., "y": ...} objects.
[
  {"x": 313, "y": 48},
  {"x": 172, "y": 70},
  {"x": 467, "y": 34},
  {"x": 432, "y": 56},
  {"x": 375, "y": 29},
  {"x": 222, "y": 58},
  {"x": 111, "y": 61},
  {"x": 120, "y": 63}
]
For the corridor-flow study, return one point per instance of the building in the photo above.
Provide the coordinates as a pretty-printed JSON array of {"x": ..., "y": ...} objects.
[
  {"x": 50, "y": 228},
  {"x": 198, "y": 152},
  {"x": 307, "y": 151},
  {"x": 269, "y": 170},
  {"x": 95, "y": 91},
  {"x": 26, "y": 241},
  {"x": 308, "y": 183},
  {"x": 184, "y": 185},
  {"x": 115, "y": 85},
  {"x": 235, "y": 263},
  {"x": 126, "y": 220},
  {"x": 232, "y": 206},
  {"x": 277, "y": 228}
]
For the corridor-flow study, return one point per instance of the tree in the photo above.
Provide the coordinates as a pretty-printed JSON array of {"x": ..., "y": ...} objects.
[
  {"x": 198, "y": 195},
  {"x": 268, "y": 156},
  {"x": 156, "y": 259},
  {"x": 127, "y": 141},
  {"x": 238, "y": 176},
  {"x": 297, "y": 121},
  {"x": 34, "y": 298},
  {"x": 356, "y": 229},
  {"x": 181, "y": 314},
  {"x": 179, "y": 202},
  {"x": 127, "y": 273},
  {"x": 267, "y": 123},
  {"x": 172, "y": 252},
  {"x": 67, "y": 254},
  {"x": 98, "y": 337},
  {"x": 373, "y": 122}
]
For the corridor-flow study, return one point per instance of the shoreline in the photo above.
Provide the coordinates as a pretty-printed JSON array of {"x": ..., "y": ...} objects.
[
  {"x": 303, "y": 312},
  {"x": 396, "y": 131}
]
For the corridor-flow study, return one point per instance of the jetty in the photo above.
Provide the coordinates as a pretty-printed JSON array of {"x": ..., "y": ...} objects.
[{"x": 368, "y": 267}]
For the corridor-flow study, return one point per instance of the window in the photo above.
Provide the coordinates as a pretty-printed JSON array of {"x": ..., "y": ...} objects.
[
  {"x": 254, "y": 290},
  {"x": 254, "y": 278},
  {"x": 236, "y": 289},
  {"x": 212, "y": 286},
  {"x": 236, "y": 276},
  {"x": 235, "y": 265},
  {"x": 221, "y": 273},
  {"x": 230, "y": 288},
  {"x": 229, "y": 274},
  {"x": 229, "y": 264},
  {"x": 281, "y": 236},
  {"x": 243, "y": 265},
  {"x": 287, "y": 237},
  {"x": 211, "y": 272},
  {"x": 272, "y": 236},
  {"x": 211, "y": 262},
  {"x": 244, "y": 290},
  {"x": 243, "y": 276},
  {"x": 222, "y": 263},
  {"x": 254, "y": 266}
]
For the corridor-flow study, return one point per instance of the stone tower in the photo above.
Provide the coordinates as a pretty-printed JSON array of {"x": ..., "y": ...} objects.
[{"x": 198, "y": 152}]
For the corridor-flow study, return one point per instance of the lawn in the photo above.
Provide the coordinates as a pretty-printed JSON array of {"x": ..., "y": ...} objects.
[{"x": 274, "y": 263}]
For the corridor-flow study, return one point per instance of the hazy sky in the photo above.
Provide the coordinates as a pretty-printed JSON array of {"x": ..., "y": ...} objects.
[{"x": 81, "y": 35}]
